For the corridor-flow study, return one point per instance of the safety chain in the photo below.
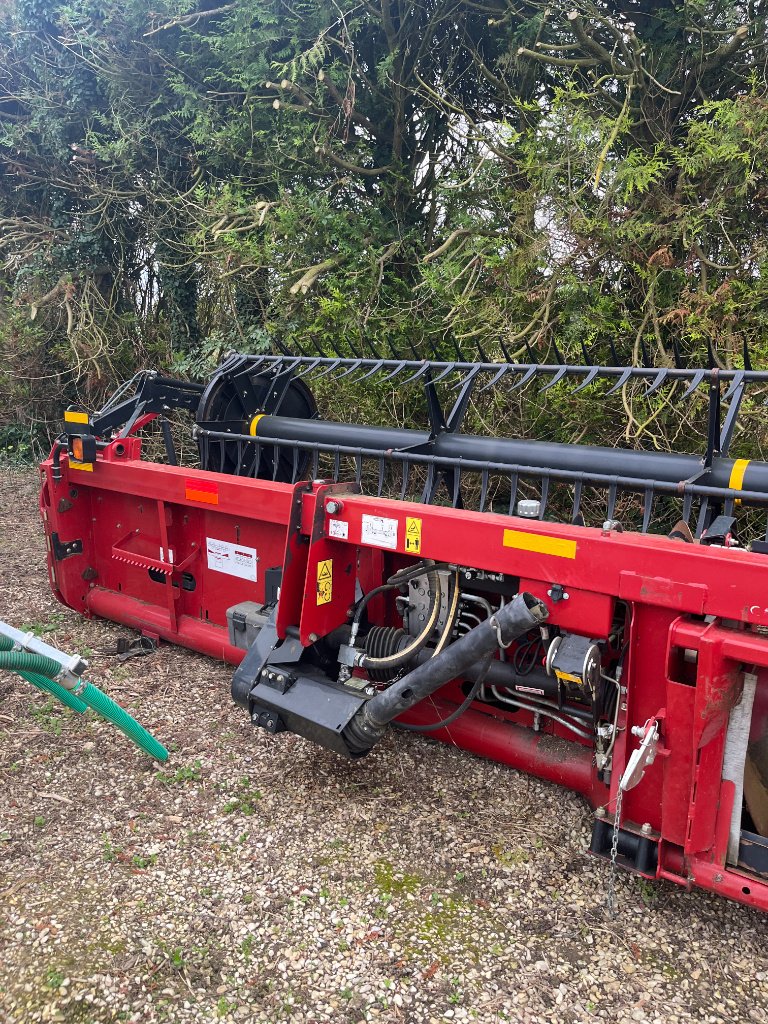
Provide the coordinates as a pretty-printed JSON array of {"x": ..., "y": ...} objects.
[{"x": 610, "y": 901}]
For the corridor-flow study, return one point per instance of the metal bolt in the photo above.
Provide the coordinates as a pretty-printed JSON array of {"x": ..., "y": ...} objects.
[
  {"x": 281, "y": 679},
  {"x": 600, "y": 812},
  {"x": 313, "y": 638},
  {"x": 646, "y": 828},
  {"x": 333, "y": 507}
]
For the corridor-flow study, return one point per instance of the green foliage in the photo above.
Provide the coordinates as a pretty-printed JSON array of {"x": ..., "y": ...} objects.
[{"x": 180, "y": 182}]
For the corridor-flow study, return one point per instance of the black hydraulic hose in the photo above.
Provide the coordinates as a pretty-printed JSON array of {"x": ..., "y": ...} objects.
[
  {"x": 513, "y": 620},
  {"x": 481, "y": 675}
]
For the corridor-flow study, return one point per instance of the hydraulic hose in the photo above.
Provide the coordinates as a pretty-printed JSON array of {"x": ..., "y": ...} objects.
[
  {"x": 450, "y": 719},
  {"x": 43, "y": 672},
  {"x": 405, "y": 655},
  {"x": 515, "y": 619}
]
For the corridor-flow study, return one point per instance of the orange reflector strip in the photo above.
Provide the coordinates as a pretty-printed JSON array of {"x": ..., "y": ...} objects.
[
  {"x": 70, "y": 416},
  {"x": 199, "y": 490},
  {"x": 540, "y": 544}
]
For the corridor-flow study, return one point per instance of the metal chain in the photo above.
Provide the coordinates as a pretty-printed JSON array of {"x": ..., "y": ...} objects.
[{"x": 611, "y": 894}]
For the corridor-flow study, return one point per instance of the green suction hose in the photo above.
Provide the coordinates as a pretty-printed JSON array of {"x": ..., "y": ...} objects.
[
  {"x": 48, "y": 686},
  {"x": 42, "y": 671},
  {"x": 119, "y": 717}
]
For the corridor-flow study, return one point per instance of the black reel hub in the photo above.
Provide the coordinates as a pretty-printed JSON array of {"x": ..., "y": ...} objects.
[{"x": 232, "y": 403}]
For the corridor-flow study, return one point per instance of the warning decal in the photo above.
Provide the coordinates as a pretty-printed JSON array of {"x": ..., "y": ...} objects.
[
  {"x": 379, "y": 531},
  {"x": 325, "y": 581},
  {"x": 412, "y": 535},
  {"x": 233, "y": 559}
]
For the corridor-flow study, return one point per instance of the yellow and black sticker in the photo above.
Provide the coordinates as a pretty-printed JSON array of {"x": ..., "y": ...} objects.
[
  {"x": 412, "y": 535},
  {"x": 325, "y": 581},
  {"x": 540, "y": 544}
]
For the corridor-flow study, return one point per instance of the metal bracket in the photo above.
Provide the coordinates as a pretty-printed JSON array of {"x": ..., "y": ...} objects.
[{"x": 66, "y": 549}]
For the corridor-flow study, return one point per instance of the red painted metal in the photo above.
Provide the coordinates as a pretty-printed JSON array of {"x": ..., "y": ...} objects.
[{"x": 145, "y": 531}]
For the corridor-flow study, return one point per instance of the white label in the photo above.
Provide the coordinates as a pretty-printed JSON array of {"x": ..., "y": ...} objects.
[
  {"x": 233, "y": 559},
  {"x": 338, "y": 528},
  {"x": 380, "y": 532}
]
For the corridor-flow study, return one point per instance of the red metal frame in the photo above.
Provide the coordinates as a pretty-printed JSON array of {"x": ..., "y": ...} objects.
[{"x": 133, "y": 516}]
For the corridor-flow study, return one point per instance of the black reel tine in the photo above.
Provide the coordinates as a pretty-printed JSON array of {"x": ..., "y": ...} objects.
[
  {"x": 370, "y": 373},
  {"x": 253, "y": 469},
  {"x": 444, "y": 373},
  {"x": 398, "y": 369},
  {"x": 222, "y": 456},
  {"x": 240, "y": 452},
  {"x": 275, "y": 460},
  {"x": 406, "y": 476},
  {"x": 308, "y": 369},
  {"x": 745, "y": 356},
  {"x": 329, "y": 369},
  {"x": 415, "y": 376},
  {"x": 658, "y": 380},
  {"x": 456, "y": 486},
  {"x": 315, "y": 464},
  {"x": 483, "y": 489},
  {"x": 429, "y": 485},
  {"x": 647, "y": 363},
  {"x": 495, "y": 379},
  {"x": 512, "y": 493},
  {"x": 530, "y": 372},
  {"x": 587, "y": 380},
  {"x": 558, "y": 376},
  {"x": 463, "y": 379},
  {"x": 734, "y": 386},
  {"x": 698, "y": 377},
  {"x": 380, "y": 485},
  {"x": 612, "y": 492},
  {"x": 358, "y": 468},
  {"x": 351, "y": 369},
  {"x": 575, "y": 511},
  {"x": 336, "y": 465},
  {"x": 703, "y": 520},
  {"x": 647, "y": 508},
  {"x": 625, "y": 376},
  {"x": 544, "y": 496},
  {"x": 295, "y": 465},
  {"x": 687, "y": 506}
]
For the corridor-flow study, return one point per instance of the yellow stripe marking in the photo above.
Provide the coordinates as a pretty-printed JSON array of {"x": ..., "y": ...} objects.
[
  {"x": 737, "y": 474},
  {"x": 567, "y": 677},
  {"x": 87, "y": 466},
  {"x": 540, "y": 544},
  {"x": 255, "y": 422},
  {"x": 70, "y": 416}
]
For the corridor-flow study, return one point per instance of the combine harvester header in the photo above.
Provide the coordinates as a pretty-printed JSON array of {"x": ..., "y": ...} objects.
[{"x": 595, "y": 616}]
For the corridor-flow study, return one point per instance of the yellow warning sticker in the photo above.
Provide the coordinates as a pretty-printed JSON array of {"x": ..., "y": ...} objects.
[
  {"x": 412, "y": 535},
  {"x": 325, "y": 581},
  {"x": 539, "y": 543}
]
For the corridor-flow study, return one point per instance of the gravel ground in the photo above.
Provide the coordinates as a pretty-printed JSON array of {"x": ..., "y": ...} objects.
[{"x": 258, "y": 878}]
